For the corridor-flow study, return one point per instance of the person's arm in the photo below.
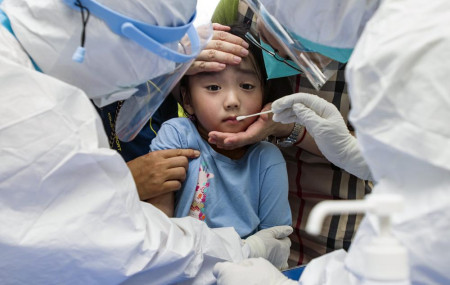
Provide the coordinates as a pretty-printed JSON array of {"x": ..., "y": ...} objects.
[
  {"x": 164, "y": 202},
  {"x": 169, "y": 138},
  {"x": 82, "y": 221}
]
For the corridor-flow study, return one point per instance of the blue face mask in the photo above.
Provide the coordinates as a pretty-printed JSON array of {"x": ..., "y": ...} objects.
[
  {"x": 339, "y": 54},
  {"x": 277, "y": 69}
]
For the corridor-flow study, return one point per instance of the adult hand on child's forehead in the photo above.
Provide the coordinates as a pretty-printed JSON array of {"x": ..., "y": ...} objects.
[{"x": 224, "y": 48}]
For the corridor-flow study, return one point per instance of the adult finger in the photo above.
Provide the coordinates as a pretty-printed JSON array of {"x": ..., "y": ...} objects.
[
  {"x": 220, "y": 27},
  {"x": 189, "y": 153},
  {"x": 204, "y": 66},
  {"x": 228, "y": 55},
  {"x": 228, "y": 141},
  {"x": 177, "y": 161},
  {"x": 176, "y": 173},
  {"x": 225, "y": 36},
  {"x": 170, "y": 186},
  {"x": 229, "y": 43}
]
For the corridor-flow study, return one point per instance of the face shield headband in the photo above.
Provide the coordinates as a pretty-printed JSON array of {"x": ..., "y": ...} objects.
[
  {"x": 148, "y": 96},
  {"x": 148, "y": 36},
  {"x": 316, "y": 67}
]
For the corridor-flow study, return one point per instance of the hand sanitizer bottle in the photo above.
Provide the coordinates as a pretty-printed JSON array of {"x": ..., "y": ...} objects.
[{"x": 386, "y": 260}]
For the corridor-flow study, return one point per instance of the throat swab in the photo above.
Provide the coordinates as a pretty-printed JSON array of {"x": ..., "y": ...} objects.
[{"x": 252, "y": 115}]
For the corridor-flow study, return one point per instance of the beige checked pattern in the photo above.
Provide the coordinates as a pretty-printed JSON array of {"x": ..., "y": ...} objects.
[{"x": 313, "y": 179}]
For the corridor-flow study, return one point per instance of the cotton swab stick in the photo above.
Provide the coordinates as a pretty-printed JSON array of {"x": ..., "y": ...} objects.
[{"x": 252, "y": 115}]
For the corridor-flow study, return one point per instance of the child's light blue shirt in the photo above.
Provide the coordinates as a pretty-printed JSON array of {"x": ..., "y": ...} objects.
[{"x": 248, "y": 194}]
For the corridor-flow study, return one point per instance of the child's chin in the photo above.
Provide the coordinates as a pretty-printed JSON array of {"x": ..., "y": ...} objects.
[{"x": 232, "y": 130}]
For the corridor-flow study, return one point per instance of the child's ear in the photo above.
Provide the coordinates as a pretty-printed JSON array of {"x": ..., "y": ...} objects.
[{"x": 186, "y": 100}]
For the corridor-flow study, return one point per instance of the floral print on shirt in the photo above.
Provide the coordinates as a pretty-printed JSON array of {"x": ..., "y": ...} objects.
[{"x": 197, "y": 209}]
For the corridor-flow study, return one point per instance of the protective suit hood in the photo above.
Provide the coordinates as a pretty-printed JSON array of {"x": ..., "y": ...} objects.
[
  {"x": 400, "y": 111},
  {"x": 50, "y": 32},
  {"x": 327, "y": 22}
]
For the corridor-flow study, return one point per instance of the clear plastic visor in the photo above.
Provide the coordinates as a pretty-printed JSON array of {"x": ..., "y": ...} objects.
[
  {"x": 316, "y": 67},
  {"x": 138, "y": 109}
]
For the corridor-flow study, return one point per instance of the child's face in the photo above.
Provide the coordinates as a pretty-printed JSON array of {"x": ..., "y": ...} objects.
[{"x": 217, "y": 98}]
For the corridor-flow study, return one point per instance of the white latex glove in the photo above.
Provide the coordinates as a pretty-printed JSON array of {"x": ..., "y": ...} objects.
[
  {"x": 272, "y": 244},
  {"x": 250, "y": 271},
  {"x": 325, "y": 124}
]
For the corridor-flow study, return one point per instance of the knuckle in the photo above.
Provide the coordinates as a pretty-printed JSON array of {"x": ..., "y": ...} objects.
[
  {"x": 221, "y": 35},
  {"x": 211, "y": 54},
  {"x": 237, "y": 50},
  {"x": 219, "y": 45}
]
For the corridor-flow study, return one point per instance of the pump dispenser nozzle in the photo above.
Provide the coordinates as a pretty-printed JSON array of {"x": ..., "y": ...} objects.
[{"x": 385, "y": 258}]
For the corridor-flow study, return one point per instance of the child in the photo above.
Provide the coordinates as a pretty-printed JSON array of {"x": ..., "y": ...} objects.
[{"x": 246, "y": 188}]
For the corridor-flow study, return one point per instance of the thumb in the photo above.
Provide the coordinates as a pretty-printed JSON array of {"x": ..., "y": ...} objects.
[{"x": 282, "y": 231}]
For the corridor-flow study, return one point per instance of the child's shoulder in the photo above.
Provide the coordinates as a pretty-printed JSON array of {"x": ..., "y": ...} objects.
[
  {"x": 268, "y": 152},
  {"x": 179, "y": 123},
  {"x": 176, "y": 133}
]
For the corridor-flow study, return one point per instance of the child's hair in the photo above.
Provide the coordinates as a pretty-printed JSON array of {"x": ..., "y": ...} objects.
[{"x": 257, "y": 61}]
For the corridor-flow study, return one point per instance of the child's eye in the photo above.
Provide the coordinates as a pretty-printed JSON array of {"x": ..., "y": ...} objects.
[
  {"x": 213, "y": 87},
  {"x": 247, "y": 86}
]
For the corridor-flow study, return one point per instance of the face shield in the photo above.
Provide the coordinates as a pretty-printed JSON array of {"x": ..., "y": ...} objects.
[
  {"x": 137, "y": 110},
  {"x": 289, "y": 51},
  {"x": 149, "y": 95},
  {"x": 128, "y": 45}
]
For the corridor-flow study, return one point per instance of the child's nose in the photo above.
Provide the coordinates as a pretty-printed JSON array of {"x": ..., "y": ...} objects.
[
  {"x": 234, "y": 105},
  {"x": 232, "y": 101}
]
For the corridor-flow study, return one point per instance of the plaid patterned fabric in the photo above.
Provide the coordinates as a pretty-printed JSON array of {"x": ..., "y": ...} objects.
[{"x": 313, "y": 179}]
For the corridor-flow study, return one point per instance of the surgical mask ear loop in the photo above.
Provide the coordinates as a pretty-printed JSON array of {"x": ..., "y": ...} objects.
[{"x": 78, "y": 56}]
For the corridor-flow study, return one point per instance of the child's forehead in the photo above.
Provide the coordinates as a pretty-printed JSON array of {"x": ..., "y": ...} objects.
[{"x": 246, "y": 66}]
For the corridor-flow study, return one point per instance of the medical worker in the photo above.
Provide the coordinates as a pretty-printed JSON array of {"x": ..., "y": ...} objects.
[
  {"x": 69, "y": 209},
  {"x": 399, "y": 90}
]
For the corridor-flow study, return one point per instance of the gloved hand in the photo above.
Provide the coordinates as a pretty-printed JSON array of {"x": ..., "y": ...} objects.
[
  {"x": 325, "y": 124},
  {"x": 248, "y": 272},
  {"x": 272, "y": 244}
]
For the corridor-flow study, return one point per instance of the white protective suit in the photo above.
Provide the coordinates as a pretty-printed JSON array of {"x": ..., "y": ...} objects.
[
  {"x": 398, "y": 77},
  {"x": 69, "y": 209}
]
